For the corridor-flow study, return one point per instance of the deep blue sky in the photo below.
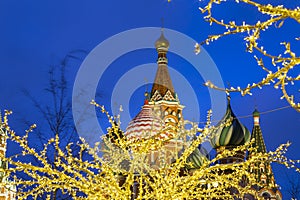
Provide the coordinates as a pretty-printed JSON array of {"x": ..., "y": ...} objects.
[{"x": 36, "y": 34}]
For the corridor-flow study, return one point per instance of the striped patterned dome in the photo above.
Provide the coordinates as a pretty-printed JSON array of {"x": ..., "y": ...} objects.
[
  {"x": 233, "y": 135},
  {"x": 146, "y": 124},
  {"x": 197, "y": 158}
]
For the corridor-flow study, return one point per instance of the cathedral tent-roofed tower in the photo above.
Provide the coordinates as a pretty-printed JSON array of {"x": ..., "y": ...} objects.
[
  {"x": 161, "y": 115},
  {"x": 162, "y": 81},
  {"x": 262, "y": 170},
  {"x": 163, "y": 96},
  {"x": 162, "y": 102}
]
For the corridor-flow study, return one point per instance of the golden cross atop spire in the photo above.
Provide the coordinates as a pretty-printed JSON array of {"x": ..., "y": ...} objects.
[
  {"x": 146, "y": 87},
  {"x": 146, "y": 84}
]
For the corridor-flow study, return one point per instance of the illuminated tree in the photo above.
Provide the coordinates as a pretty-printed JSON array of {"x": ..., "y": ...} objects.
[
  {"x": 282, "y": 72},
  {"x": 124, "y": 173},
  {"x": 118, "y": 168},
  {"x": 56, "y": 112}
]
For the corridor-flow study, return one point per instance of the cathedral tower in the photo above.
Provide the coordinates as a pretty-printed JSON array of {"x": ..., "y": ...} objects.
[
  {"x": 163, "y": 97},
  {"x": 262, "y": 169},
  {"x": 161, "y": 115}
]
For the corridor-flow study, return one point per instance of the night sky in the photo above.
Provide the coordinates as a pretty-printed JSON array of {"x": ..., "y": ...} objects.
[{"x": 37, "y": 34}]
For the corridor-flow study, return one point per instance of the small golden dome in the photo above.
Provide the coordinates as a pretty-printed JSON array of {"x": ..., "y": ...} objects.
[{"x": 162, "y": 42}]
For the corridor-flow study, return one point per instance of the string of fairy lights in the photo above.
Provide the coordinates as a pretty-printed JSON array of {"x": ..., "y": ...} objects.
[
  {"x": 284, "y": 62},
  {"x": 248, "y": 116},
  {"x": 73, "y": 174}
]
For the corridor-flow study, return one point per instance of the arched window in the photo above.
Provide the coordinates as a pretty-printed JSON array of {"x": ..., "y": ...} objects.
[
  {"x": 248, "y": 197},
  {"x": 262, "y": 168},
  {"x": 266, "y": 196},
  {"x": 278, "y": 197},
  {"x": 263, "y": 178},
  {"x": 251, "y": 167}
]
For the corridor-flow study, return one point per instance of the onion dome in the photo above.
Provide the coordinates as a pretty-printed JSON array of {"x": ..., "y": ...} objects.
[
  {"x": 197, "y": 158},
  {"x": 145, "y": 124},
  {"x": 234, "y": 134},
  {"x": 255, "y": 113},
  {"x": 162, "y": 42}
]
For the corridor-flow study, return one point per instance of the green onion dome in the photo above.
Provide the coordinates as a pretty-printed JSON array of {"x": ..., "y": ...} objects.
[
  {"x": 197, "y": 158},
  {"x": 255, "y": 113},
  {"x": 234, "y": 134}
]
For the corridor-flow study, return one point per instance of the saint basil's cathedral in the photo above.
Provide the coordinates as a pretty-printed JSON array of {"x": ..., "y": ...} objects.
[{"x": 162, "y": 110}]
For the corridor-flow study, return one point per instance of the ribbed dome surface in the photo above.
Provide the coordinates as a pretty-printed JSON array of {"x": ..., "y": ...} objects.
[
  {"x": 145, "y": 125},
  {"x": 233, "y": 135},
  {"x": 197, "y": 158}
]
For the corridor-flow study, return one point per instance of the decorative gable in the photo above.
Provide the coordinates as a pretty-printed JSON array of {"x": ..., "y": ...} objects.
[
  {"x": 168, "y": 96},
  {"x": 156, "y": 96}
]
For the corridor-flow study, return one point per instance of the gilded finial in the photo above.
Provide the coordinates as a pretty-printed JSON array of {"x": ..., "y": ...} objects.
[
  {"x": 146, "y": 85},
  {"x": 162, "y": 42},
  {"x": 228, "y": 98},
  {"x": 227, "y": 92}
]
